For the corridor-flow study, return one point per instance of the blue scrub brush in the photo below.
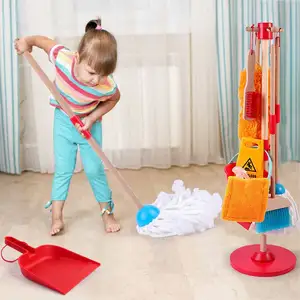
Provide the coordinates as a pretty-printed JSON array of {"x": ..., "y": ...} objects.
[{"x": 276, "y": 219}]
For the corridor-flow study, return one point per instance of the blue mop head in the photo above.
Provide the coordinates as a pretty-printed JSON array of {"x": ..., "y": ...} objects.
[{"x": 275, "y": 220}]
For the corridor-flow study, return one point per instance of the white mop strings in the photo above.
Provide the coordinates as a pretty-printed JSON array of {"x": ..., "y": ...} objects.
[{"x": 183, "y": 212}]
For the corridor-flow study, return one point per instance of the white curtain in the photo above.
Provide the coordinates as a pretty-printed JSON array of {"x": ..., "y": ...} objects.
[
  {"x": 9, "y": 90},
  {"x": 168, "y": 112}
]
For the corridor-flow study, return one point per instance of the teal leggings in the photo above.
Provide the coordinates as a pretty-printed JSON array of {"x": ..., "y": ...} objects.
[{"x": 67, "y": 140}]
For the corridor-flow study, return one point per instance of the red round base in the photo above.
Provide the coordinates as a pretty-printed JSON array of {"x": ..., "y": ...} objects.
[{"x": 274, "y": 262}]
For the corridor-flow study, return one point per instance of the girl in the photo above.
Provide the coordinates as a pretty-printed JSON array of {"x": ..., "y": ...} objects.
[{"x": 84, "y": 80}]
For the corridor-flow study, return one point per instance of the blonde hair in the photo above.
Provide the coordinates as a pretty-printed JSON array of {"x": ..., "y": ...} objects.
[{"x": 98, "y": 48}]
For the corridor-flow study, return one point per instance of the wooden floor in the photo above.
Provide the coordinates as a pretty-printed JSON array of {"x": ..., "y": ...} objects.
[{"x": 136, "y": 267}]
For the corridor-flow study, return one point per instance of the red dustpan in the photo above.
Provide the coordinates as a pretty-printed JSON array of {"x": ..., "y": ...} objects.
[{"x": 52, "y": 266}]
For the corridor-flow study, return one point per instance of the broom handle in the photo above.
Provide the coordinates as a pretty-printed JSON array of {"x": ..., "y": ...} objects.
[
  {"x": 265, "y": 93},
  {"x": 273, "y": 120},
  {"x": 77, "y": 120},
  {"x": 277, "y": 101}
]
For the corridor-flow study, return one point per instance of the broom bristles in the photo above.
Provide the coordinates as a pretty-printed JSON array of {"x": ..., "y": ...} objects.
[{"x": 275, "y": 220}]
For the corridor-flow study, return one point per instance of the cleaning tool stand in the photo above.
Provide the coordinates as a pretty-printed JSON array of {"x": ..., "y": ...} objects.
[{"x": 262, "y": 260}]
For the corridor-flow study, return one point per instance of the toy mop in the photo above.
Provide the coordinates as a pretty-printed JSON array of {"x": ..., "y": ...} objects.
[
  {"x": 254, "y": 197},
  {"x": 181, "y": 213}
]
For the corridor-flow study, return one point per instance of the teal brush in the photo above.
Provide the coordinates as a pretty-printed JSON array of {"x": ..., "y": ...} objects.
[
  {"x": 275, "y": 220},
  {"x": 280, "y": 218}
]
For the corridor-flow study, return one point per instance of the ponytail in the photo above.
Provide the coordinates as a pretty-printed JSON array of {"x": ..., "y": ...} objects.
[{"x": 93, "y": 25}]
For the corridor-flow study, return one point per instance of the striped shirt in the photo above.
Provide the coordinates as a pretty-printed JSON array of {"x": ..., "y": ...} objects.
[{"x": 81, "y": 98}]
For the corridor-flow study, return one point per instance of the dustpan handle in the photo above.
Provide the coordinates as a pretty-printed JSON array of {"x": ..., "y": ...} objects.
[{"x": 18, "y": 245}]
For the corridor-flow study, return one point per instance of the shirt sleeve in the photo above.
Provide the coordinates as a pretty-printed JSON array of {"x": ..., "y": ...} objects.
[
  {"x": 55, "y": 50},
  {"x": 112, "y": 84}
]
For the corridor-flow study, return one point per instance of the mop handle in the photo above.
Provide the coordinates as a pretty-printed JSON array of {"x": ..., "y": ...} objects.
[{"x": 76, "y": 120}]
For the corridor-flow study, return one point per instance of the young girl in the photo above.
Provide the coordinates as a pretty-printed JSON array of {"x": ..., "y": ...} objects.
[{"x": 84, "y": 80}]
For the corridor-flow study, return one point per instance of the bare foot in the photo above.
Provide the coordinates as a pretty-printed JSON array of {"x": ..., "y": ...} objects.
[
  {"x": 57, "y": 226},
  {"x": 57, "y": 217},
  {"x": 110, "y": 223}
]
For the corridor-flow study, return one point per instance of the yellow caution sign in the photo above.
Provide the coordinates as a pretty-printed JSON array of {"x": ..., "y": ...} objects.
[{"x": 251, "y": 157}]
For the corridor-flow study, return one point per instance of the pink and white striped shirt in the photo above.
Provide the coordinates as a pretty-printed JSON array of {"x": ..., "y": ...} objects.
[{"x": 81, "y": 98}]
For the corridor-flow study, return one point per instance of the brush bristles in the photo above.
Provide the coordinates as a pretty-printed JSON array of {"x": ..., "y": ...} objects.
[
  {"x": 275, "y": 220},
  {"x": 250, "y": 105}
]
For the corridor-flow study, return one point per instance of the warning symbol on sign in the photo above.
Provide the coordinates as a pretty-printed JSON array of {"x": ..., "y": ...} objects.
[{"x": 249, "y": 166}]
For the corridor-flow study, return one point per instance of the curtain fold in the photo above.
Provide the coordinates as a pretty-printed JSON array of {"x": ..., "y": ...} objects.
[
  {"x": 9, "y": 90},
  {"x": 206, "y": 142},
  {"x": 232, "y": 45}
]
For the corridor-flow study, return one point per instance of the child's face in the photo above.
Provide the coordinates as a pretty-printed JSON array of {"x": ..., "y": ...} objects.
[{"x": 87, "y": 75}]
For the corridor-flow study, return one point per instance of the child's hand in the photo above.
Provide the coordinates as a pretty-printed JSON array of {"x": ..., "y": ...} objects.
[
  {"x": 21, "y": 46},
  {"x": 88, "y": 123}
]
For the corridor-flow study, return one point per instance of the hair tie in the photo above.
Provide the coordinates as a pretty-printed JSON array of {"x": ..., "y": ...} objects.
[{"x": 98, "y": 27}]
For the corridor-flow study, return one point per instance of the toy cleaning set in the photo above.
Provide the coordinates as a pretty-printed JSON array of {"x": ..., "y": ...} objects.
[{"x": 254, "y": 196}]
